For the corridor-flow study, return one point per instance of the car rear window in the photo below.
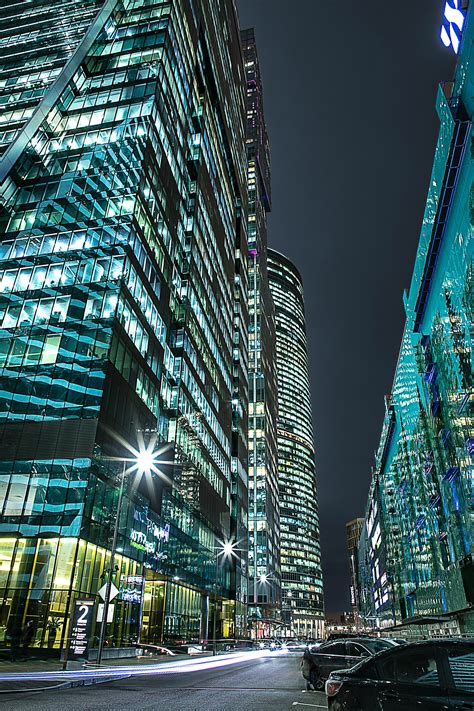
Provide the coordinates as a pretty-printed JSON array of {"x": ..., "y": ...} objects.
[
  {"x": 334, "y": 648},
  {"x": 410, "y": 667},
  {"x": 377, "y": 645},
  {"x": 461, "y": 662},
  {"x": 355, "y": 650},
  {"x": 365, "y": 669}
]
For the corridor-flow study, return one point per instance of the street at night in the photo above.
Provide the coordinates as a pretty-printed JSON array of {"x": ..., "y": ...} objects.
[
  {"x": 236, "y": 355},
  {"x": 270, "y": 682}
]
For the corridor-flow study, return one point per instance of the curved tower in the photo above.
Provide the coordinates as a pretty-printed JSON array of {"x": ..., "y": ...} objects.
[{"x": 301, "y": 576}]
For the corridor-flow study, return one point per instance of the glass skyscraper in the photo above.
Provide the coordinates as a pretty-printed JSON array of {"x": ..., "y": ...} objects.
[
  {"x": 264, "y": 596},
  {"x": 36, "y": 40},
  {"x": 416, "y": 549},
  {"x": 302, "y": 590},
  {"x": 353, "y": 531},
  {"x": 123, "y": 315}
]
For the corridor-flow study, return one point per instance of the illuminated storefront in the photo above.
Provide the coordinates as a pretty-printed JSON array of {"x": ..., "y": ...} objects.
[{"x": 62, "y": 570}]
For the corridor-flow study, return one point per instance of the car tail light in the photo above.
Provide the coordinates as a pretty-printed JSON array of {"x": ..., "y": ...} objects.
[{"x": 332, "y": 687}]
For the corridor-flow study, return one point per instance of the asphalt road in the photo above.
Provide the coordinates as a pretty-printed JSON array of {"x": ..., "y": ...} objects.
[{"x": 273, "y": 682}]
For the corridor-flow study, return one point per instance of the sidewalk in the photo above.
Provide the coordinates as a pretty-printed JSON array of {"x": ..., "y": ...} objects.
[
  {"x": 38, "y": 666},
  {"x": 37, "y": 675},
  {"x": 7, "y": 667},
  {"x": 12, "y": 687}
]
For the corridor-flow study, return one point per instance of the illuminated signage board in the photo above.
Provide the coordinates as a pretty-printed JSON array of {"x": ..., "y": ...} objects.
[
  {"x": 148, "y": 536},
  {"x": 453, "y": 24},
  {"x": 147, "y": 541},
  {"x": 131, "y": 588},
  {"x": 80, "y": 628}
]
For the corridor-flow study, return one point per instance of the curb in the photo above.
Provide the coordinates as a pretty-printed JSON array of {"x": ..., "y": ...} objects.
[
  {"x": 63, "y": 685},
  {"x": 67, "y": 685}
]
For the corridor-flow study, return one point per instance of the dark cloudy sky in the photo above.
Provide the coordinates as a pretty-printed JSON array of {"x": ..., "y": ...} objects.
[{"x": 349, "y": 92}]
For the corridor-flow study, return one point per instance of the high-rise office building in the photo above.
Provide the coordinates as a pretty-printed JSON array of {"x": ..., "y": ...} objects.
[
  {"x": 302, "y": 587},
  {"x": 264, "y": 595},
  {"x": 123, "y": 323},
  {"x": 36, "y": 40},
  {"x": 416, "y": 549},
  {"x": 353, "y": 531}
]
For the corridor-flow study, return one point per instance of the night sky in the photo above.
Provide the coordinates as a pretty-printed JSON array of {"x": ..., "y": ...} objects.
[{"x": 349, "y": 93}]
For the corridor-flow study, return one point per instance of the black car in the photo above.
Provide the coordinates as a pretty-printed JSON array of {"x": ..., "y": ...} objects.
[
  {"x": 319, "y": 661},
  {"x": 341, "y": 635},
  {"x": 426, "y": 676}
]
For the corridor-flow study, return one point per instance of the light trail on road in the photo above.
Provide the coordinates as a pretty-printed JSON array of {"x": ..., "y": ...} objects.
[{"x": 178, "y": 667}]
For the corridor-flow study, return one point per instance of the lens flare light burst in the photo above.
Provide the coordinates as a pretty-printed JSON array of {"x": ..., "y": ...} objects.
[{"x": 146, "y": 458}]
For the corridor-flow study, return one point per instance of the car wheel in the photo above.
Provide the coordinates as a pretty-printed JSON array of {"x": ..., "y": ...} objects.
[{"x": 316, "y": 681}]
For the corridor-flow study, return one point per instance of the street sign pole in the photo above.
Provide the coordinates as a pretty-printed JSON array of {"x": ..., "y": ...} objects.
[
  {"x": 214, "y": 619},
  {"x": 103, "y": 626}
]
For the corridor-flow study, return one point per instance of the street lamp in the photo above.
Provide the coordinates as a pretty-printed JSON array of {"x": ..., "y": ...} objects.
[
  {"x": 225, "y": 550},
  {"x": 144, "y": 461},
  {"x": 228, "y": 549}
]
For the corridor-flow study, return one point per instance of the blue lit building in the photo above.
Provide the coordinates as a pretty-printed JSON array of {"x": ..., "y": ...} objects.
[
  {"x": 36, "y": 41},
  {"x": 416, "y": 549},
  {"x": 123, "y": 315}
]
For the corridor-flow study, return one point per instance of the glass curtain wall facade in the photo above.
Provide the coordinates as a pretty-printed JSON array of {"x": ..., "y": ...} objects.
[
  {"x": 264, "y": 595},
  {"x": 122, "y": 244},
  {"x": 416, "y": 554},
  {"x": 302, "y": 585},
  {"x": 353, "y": 531},
  {"x": 36, "y": 40}
]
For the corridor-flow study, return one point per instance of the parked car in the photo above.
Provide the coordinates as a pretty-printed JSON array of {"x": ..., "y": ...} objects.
[
  {"x": 295, "y": 644},
  {"x": 269, "y": 644},
  {"x": 399, "y": 640},
  {"x": 422, "y": 676},
  {"x": 341, "y": 635},
  {"x": 319, "y": 661}
]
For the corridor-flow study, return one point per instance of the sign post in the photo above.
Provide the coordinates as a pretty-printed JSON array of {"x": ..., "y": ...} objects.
[
  {"x": 132, "y": 590},
  {"x": 113, "y": 592},
  {"x": 80, "y": 628}
]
